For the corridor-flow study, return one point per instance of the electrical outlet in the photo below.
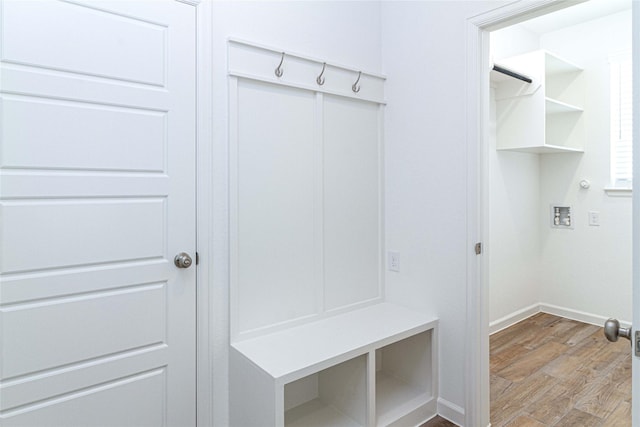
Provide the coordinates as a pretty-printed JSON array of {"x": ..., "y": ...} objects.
[
  {"x": 393, "y": 261},
  {"x": 594, "y": 218}
]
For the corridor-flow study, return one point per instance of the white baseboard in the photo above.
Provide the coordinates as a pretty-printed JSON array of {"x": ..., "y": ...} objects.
[
  {"x": 513, "y": 318},
  {"x": 568, "y": 313},
  {"x": 451, "y": 411},
  {"x": 580, "y": 316}
]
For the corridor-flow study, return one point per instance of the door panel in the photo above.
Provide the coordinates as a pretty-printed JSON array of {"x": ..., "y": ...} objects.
[
  {"x": 86, "y": 136},
  {"x": 97, "y": 195},
  {"x": 106, "y": 40},
  {"x": 103, "y": 331},
  {"x": 107, "y": 404},
  {"x": 68, "y": 232}
]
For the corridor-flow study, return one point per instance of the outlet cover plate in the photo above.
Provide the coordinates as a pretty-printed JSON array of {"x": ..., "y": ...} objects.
[{"x": 393, "y": 261}]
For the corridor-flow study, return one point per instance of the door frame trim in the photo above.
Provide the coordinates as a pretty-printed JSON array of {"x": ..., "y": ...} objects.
[
  {"x": 204, "y": 217},
  {"x": 635, "y": 367},
  {"x": 477, "y": 387}
]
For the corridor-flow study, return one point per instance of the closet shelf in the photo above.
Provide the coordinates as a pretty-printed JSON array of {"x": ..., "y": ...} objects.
[
  {"x": 556, "y": 65},
  {"x": 553, "y": 106},
  {"x": 546, "y": 119},
  {"x": 543, "y": 149}
]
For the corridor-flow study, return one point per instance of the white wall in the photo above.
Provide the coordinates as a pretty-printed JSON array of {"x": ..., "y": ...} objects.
[
  {"x": 423, "y": 53},
  {"x": 588, "y": 268},
  {"x": 514, "y": 200},
  {"x": 514, "y": 245},
  {"x": 342, "y": 32},
  {"x": 512, "y": 41},
  {"x": 531, "y": 263}
]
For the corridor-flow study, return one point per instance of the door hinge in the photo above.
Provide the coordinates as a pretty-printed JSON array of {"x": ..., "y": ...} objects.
[
  {"x": 197, "y": 258},
  {"x": 478, "y": 248}
]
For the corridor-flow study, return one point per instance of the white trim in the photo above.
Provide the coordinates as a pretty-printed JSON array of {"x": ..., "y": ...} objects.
[
  {"x": 618, "y": 192},
  {"x": 635, "y": 368},
  {"x": 234, "y": 319},
  {"x": 318, "y": 199},
  {"x": 236, "y": 40},
  {"x": 477, "y": 336},
  {"x": 258, "y": 62},
  {"x": 518, "y": 11},
  {"x": 580, "y": 316},
  {"x": 204, "y": 110},
  {"x": 450, "y": 411},
  {"x": 195, "y": 3},
  {"x": 568, "y": 313},
  {"x": 382, "y": 289},
  {"x": 477, "y": 102},
  {"x": 275, "y": 81},
  {"x": 513, "y": 318}
]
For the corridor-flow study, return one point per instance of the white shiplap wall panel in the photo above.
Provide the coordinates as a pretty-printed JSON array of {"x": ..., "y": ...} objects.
[
  {"x": 306, "y": 189},
  {"x": 275, "y": 209}
]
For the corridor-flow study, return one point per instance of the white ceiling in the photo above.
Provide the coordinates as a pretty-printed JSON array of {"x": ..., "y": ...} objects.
[{"x": 577, "y": 14}]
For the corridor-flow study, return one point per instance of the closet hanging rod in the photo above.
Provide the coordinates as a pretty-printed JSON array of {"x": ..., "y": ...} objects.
[{"x": 511, "y": 73}]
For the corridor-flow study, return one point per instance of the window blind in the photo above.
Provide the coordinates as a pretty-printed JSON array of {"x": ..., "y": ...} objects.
[{"x": 621, "y": 121}]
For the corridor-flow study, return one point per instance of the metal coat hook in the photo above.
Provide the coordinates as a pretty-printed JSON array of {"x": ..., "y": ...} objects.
[
  {"x": 279, "y": 70},
  {"x": 355, "y": 88},
  {"x": 320, "y": 78}
]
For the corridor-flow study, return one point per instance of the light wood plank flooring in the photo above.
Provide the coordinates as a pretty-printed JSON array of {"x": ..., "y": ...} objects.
[
  {"x": 551, "y": 371},
  {"x": 438, "y": 422}
]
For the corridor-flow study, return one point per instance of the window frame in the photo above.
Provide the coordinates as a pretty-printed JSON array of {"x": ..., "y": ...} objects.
[{"x": 621, "y": 121}]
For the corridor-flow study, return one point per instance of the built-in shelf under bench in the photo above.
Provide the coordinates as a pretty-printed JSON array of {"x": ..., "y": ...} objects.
[{"x": 375, "y": 366}]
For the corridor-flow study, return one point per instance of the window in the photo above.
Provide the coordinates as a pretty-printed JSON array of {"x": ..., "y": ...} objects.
[{"x": 621, "y": 121}]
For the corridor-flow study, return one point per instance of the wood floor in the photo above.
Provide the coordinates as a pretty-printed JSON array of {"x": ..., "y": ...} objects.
[
  {"x": 438, "y": 422},
  {"x": 551, "y": 371}
]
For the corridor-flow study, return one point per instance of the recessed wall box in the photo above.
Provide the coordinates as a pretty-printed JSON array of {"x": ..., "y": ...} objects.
[{"x": 561, "y": 216}]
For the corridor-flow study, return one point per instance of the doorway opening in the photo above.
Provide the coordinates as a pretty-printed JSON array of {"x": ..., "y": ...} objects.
[{"x": 558, "y": 232}]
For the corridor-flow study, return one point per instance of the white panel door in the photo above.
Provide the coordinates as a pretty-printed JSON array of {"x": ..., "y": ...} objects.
[{"x": 97, "y": 196}]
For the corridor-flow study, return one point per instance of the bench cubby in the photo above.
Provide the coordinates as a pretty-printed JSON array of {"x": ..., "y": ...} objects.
[{"x": 376, "y": 366}]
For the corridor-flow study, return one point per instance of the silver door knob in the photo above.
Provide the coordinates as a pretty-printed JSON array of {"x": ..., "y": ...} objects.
[
  {"x": 613, "y": 331},
  {"x": 183, "y": 260}
]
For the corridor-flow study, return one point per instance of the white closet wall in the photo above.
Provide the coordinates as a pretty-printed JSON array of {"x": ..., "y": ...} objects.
[
  {"x": 514, "y": 202},
  {"x": 581, "y": 269}
]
